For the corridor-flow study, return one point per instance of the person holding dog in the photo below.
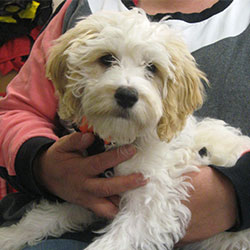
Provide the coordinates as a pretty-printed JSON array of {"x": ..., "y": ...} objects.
[{"x": 36, "y": 155}]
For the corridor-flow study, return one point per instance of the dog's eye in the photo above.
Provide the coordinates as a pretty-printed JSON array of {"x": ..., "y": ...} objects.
[
  {"x": 107, "y": 60},
  {"x": 151, "y": 68}
]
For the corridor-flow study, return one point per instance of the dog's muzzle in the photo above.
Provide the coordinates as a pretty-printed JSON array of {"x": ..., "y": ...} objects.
[{"x": 126, "y": 97}]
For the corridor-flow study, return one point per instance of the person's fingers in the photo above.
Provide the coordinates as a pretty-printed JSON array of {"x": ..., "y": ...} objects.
[
  {"x": 97, "y": 164},
  {"x": 115, "y": 199},
  {"x": 76, "y": 179},
  {"x": 102, "y": 207},
  {"x": 102, "y": 187}
]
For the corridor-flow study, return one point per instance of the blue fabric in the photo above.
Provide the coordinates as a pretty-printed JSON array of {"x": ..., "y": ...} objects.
[{"x": 58, "y": 244}]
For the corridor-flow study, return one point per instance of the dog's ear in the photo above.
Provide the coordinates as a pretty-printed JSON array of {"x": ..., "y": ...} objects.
[
  {"x": 58, "y": 69},
  {"x": 185, "y": 90}
]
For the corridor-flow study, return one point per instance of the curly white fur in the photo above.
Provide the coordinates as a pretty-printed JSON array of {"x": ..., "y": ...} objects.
[{"x": 153, "y": 61}]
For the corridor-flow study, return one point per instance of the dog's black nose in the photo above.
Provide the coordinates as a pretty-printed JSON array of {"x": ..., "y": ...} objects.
[{"x": 126, "y": 97}]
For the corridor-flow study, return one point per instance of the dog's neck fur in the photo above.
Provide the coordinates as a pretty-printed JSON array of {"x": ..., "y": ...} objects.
[{"x": 149, "y": 139}]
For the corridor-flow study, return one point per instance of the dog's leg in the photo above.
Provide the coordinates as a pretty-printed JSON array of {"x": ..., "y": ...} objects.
[
  {"x": 224, "y": 143},
  {"x": 45, "y": 219},
  {"x": 123, "y": 235},
  {"x": 150, "y": 220}
]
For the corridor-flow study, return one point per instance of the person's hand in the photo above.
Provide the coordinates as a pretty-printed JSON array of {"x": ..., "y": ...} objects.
[
  {"x": 212, "y": 203},
  {"x": 64, "y": 172}
]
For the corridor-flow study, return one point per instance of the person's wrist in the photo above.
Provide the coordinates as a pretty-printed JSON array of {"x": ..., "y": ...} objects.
[
  {"x": 38, "y": 173},
  {"x": 37, "y": 169}
]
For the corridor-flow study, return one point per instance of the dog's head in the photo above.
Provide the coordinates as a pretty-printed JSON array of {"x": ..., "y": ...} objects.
[{"x": 128, "y": 76}]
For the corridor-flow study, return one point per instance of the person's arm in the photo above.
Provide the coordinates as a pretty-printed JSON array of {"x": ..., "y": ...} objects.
[
  {"x": 220, "y": 200},
  {"x": 212, "y": 204},
  {"x": 33, "y": 158},
  {"x": 239, "y": 176},
  {"x": 28, "y": 111}
]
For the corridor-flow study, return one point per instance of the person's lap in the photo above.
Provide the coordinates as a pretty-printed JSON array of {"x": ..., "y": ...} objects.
[{"x": 58, "y": 244}]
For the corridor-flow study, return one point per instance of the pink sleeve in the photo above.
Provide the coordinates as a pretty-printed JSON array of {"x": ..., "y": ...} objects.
[{"x": 30, "y": 106}]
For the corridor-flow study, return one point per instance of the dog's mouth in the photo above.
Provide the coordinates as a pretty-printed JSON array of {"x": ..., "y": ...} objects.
[
  {"x": 117, "y": 136},
  {"x": 125, "y": 114}
]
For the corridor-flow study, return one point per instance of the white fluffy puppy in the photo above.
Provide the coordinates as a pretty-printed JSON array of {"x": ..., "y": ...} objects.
[{"x": 135, "y": 82}]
